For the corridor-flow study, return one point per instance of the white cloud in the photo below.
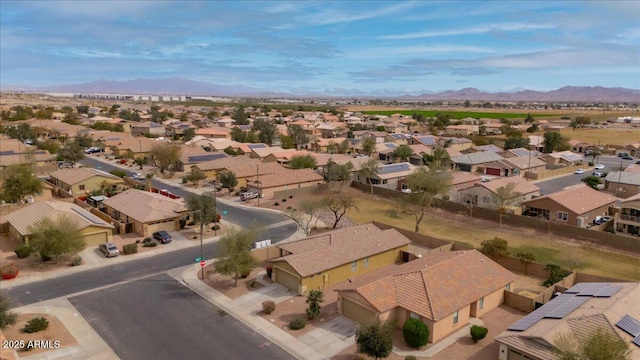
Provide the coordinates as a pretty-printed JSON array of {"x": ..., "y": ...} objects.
[
  {"x": 507, "y": 27},
  {"x": 334, "y": 16}
]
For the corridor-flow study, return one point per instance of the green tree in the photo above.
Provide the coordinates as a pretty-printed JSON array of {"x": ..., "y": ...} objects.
[
  {"x": 505, "y": 197},
  {"x": 7, "y": 318},
  {"x": 287, "y": 142},
  {"x": 427, "y": 187},
  {"x": 18, "y": 181},
  {"x": 203, "y": 208},
  {"x": 50, "y": 145},
  {"x": 368, "y": 146},
  {"x": 298, "y": 135},
  {"x": 415, "y": 333},
  {"x": 238, "y": 135},
  {"x": 336, "y": 173},
  {"x": 71, "y": 119},
  {"x": 554, "y": 141},
  {"x": 515, "y": 141},
  {"x": 369, "y": 169},
  {"x": 478, "y": 332},
  {"x": 266, "y": 130},
  {"x": 82, "y": 109},
  {"x": 592, "y": 181},
  {"x": 438, "y": 160},
  {"x": 525, "y": 258},
  {"x": 343, "y": 147},
  {"x": 195, "y": 176},
  {"x": 599, "y": 344},
  {"x": 72, "y": 152},
  {"x": 240, "y": 117},
  {"x": 303, "y": 162},
  {"x": 375, "y": 339},
  {"x": 556, "y": 273},
  {"x": 56, "y": 238},
  {"x": 188, "y": 134},
  {"x": 533, "y": 128},
  {"x": 83, "y": 141},
  {"x": 314, "y": 299},
  {"x": 496, "y": 247},
  {"x": 164, "y": 155},
  {"x": 529, "y": 119},
  {"x": 228, "y": 180},
  {"x": 235, "y": 255},
  {"x": 22, "y": 132},
  {"x": 402, "y": 152},
  {"x": 338, "y": 204}
]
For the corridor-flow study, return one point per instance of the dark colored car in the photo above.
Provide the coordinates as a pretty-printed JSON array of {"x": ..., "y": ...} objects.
[
  {"x": 109, "y": 249},
  {"x": 627, "y": 157},
  {"x": 162, "y": 236}
]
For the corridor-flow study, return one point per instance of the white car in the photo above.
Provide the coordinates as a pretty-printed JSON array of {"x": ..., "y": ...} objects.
[
  {"x": 599, "y": 167},
  {"x": 598, "y": 173},
  {"x": 138, "y": 176},
  {"x": 579, "y": 171}
]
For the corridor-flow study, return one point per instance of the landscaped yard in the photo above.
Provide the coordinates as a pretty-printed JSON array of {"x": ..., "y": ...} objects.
[{"x": 55, "y": 332}]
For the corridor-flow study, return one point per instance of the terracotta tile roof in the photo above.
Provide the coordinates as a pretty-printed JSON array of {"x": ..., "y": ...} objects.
[
  {"x": 76, "y": 175},
  {"x": 323, "y": 252},
  {"x": 27, "y": 216},
  {"x": 288, "y": 177},
  {"x": 326, "y": 142},
  {"x": 459, "y": 177},
  {"x": 241, "y": 166},
  {"x": 434, "y": 286},
  {"x": 211, "y": 131},
  {"x": 578, "y": 199},
  {"x": 146, "y": 206},
  {"x": 522, "y": 186},
  {"x": 524, "y": 162}
]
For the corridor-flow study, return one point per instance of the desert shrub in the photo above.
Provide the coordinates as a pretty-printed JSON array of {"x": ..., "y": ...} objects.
[
  {"x": 9, "y": 271},
  {"x": 409, "y": 357},
  {"x": 297, "y": 323},
  {"x": 150, "y": 244},
  {"x": 284, "y": 200},
  {"x": 245, "y": 273},
  {"x": 119, "y": 173},
  {"x": 276, "y": 203},
  {"x": 496, "y": 247},
  {"x": 36, "y": 324},
  {"x": 215, "y": 227},
  {"x": 147, "y": 240},
  {"x": 288, "y": 207},
  {"x": 268, "y": 306},
  {"x": 185, "y": 180},
  {"x": 23, "y": 251},
  {"x": 76, "y": 261},
  {"x": 415, "y": 333},
  {"x": 138, "y": 241},
  {"x": 290, "y": 196},
  {"x": 44, "y": 257},
  {"x": 130, "y": 249},
  {"x": 478, "y": 332}
]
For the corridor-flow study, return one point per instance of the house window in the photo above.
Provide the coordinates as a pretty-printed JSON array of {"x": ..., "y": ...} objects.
[
  {"x": 508, "y": 287},
  {"x": 486, "y": 199},
  {"x": 481, "y": 304},
  {"x": 562, "y": 216},
  {"x": 354, "y": 266},
  {"x": 455, "y": 318},
  {"x": 81, "y": 187},
  {"x": 366, "y": 262},
  {"x": 414, "y": 315}
]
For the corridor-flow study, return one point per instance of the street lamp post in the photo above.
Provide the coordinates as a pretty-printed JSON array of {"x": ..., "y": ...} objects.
[
  {"x": 201, "y": 243},
  {"x": 140, "y": 159}
]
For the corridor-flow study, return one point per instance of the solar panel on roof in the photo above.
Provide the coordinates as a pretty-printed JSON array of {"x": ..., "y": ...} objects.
[
  {"x": 8, "y": 152},
  {"x": 390, "y": 146},
  {"x": 629, "y": 325},
  {"x": 592, "y": 289},
  {"x": 257, "y": 146},
  {"x": 89, "y": 216},
  {"x": 393, "y": 168},
  {"x": 566, "y": 308},
  {"x": 527, "y": 321},
  {"x": 608, "y": 291},
  {"x": 207, "y": 157},
  {"x": 577, "y": 288},
  {"x": 636, "y": 341}
]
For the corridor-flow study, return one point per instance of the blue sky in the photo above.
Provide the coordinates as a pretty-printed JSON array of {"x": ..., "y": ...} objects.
[{"x": 332, "y": 47}]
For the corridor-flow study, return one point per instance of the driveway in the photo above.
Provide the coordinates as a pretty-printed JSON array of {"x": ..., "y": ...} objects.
[
  {"x": 331, "y": 337},
  {"x": 275, "y": 292}
]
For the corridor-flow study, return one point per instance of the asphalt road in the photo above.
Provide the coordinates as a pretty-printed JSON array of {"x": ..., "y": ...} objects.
[
  {"x": 166, "y": 320},
  {"x": 238, "y": 215},
  {"x": 611, "y": 163}
]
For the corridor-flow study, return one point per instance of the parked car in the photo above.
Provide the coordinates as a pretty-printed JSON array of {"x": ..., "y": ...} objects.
[
  {"x": 599, "y": 167},
  {"x": 598, "y": 173},
  {"x": 638, "y": 162},
  {"x": 92, "y": 150},
  {"x": 622, "y": 154},
  {"x": 627, "y": 157},
  {"x": 109, "y": 249},
  {"x": 162, "y": 236},
  {"x": 579, "y": 171},
  {"x": 249, "y": 195},
  {"x": 138, "y": 176}
]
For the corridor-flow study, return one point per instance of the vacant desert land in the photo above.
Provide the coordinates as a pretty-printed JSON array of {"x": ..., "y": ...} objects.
[{"x": 611, "y": 136}]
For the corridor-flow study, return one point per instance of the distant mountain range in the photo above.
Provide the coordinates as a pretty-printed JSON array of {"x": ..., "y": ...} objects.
[{"x": 180, "y": 86}]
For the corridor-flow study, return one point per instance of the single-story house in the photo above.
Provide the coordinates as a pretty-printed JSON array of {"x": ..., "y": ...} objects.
[
  {"x": 284, "y": 157},
  {"x": 461, "y": 130},
  {"x": 388, "y": 176},
  {"x": 519, "y": 152},
  {"x": 190, "y": 155},
  {"x": 427, "y": 140},
  {"x": 147, "y": 128},
  {"x": 474, "y": 162},
  {"x": 578, "y": 146},
  {"x": 323, "y": 260},
  {"x": 83, "y": 181},
  {"x": 133, "y": 148},
  {"x": 145, "y": 212},
  {"x": 627, "y": 220},
  {"x": 398, "y": 139},
  {"x": 564, "y": 158},
  {"x": 577, "y": 205},
  {"x": 514, "y": 166},
  {"x": 327, "y": 145},
  {"x": 461, "y": 180},
  {"x": 93, "y": 229},
  {"x": 245, "y": 169},
  {"x": 457, "y": 143},
  {"x": 484, "y": 194},
  {"x": 284, "y": 179},
  {"x": 214, "y": 133},
  {"x": 579, "y": 313},
  {"x": 443, "y": 290},
  {"x": 623, "y": 184}
]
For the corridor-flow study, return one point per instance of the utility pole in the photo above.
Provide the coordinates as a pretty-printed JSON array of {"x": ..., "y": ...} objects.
[
  {"x": 140, "y": 158},
  {"x": 619, "y": 179},
  {"x": 258, "y": 182}
]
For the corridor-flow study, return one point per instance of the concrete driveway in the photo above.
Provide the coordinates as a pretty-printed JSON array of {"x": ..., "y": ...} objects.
[
  {"x": 331, "y": 337},
  {"x": 275, "y": 292}
]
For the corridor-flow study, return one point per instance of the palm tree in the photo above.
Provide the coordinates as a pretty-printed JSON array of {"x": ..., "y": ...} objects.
[
  {"x": 149, "y": 176},
  {"x": 314, "y": 299}
]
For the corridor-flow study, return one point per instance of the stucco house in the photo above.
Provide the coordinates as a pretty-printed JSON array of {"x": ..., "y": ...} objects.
[
  {"x": 443, "y": 290},
  {"x": 245, "y": 169},
  {"x": 93, "y": 229},
  {"x": 83, "y": 181},
  {"x": 145, "y": 212},
  {"x": 147, "y": 128},
  {"x": 577, "y": 205},
  {"x": 284, "y": 179},
  {"x": 485, "y": 194},
  {"x": 623, "y": 184},
  {"x": 323, "y": 260},
  {"x": 627, "y": 220},
  {"x": 461, "y": 130},
  {"x": 474, "y": 162},
  {"x": 389, "y": 176}
]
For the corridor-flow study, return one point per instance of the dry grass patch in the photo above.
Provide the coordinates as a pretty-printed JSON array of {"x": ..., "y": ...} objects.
[{"x": 612, "y": 136}]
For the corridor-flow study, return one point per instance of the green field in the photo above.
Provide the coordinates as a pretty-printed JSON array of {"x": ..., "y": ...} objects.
[{"x": 457, "y": 114}]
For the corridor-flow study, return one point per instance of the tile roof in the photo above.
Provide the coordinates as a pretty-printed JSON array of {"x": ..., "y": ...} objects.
[
  {"x": 25, "y": 217},
  {"x": 288, "y": 177},
  {"x": 434, "y": 286},
  {"x": 76, "y": 175},
  {"x": 392, "y": 171},
  {"x": 459, "y": 177},
  {"x": 624, "y": 177},
  {"x": 489, "y": 147},
  {"x": 146, "y": 206},
  {"x": 524, "y": 162},
  {"x": 241, "y": 166},
  {"x": 522, "y": 186},
  {"x": 476, "y": 158},
  {"x": 578, "y": 199},
  {"x": 339, "y": 247}
]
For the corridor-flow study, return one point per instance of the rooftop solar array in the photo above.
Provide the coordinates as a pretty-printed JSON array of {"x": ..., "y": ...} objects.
[
  {"x": 427, "y": 140},
  {"x": 89, "y": 216},
  {"x": 388, "y": 169},
  {"x": 390, "y": 145},
  {"x": 563, "y": 304},
  {"x": 572, "y": 157},
  {"x": 631, "y": 326},
  {"x": 8, "y": 152},
  {"x": 207, "y": 157},
  {"x": 257, "y": 146}
]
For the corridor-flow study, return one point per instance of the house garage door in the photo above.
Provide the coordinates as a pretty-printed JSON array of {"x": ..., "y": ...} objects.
[
  {"x": 356, "y": 312},
  {"x": 96, "y": 239},
  {"x": 492, "y": 171},
  {"x": 166, "y": 226},
  {"x": 288, "y": 280}
]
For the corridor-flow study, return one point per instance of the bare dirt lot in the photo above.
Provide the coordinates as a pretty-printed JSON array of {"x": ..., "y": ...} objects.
[{"x": 55, "y": 332}]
